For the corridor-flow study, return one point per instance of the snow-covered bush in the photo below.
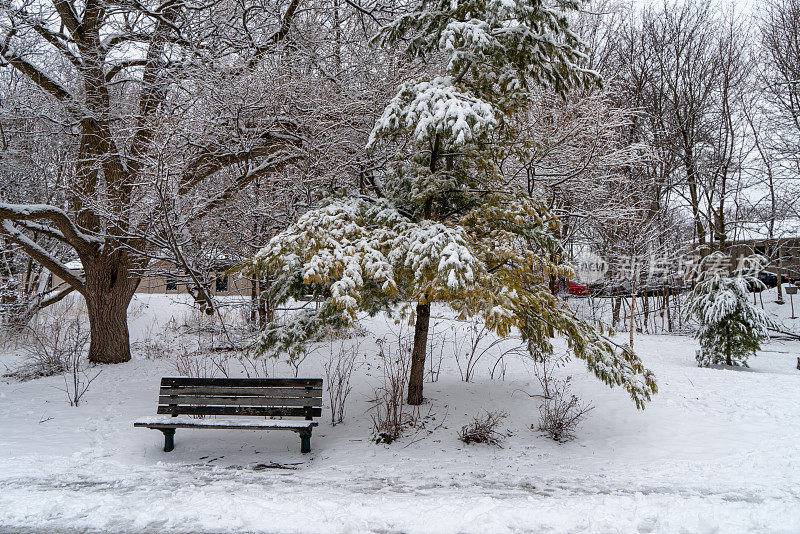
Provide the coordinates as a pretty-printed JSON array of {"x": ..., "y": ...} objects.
[
  {"x": 731, "y": 327},
  {"x": 56, "y": 342},
  {"x": 483, "y": 429}
]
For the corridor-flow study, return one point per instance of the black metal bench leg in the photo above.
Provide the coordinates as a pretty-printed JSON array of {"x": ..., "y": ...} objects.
[
  {"x": 305, "y": 441},
  {"x": 169, "y": 441}
]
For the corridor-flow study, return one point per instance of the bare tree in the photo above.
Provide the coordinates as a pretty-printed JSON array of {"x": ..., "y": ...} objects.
[
  {"x": 114, "y": 74},
  {"x": 687, "y": 66}
]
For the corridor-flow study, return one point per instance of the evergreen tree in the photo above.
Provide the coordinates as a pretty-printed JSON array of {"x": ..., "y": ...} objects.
[
  {"x": 443, "y": 225},
  {"x": 731, "y": 327}
]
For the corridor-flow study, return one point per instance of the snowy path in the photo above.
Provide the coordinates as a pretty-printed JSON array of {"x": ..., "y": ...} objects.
[{"x": 201, "y": 497}]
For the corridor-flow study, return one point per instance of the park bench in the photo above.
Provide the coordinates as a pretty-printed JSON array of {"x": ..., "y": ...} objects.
[{"x": 180, "y": 399}]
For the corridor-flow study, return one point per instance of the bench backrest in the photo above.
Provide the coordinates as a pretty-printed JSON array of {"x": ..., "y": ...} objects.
[{"x": 266, "y": 397}]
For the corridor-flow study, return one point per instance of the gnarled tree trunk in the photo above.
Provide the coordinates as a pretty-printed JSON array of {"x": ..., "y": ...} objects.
[{"x": 110, "y": 286}]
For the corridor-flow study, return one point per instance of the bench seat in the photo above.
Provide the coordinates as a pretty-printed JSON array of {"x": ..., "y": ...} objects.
[
  {"x": 167, "y": 421},
  {"x": 242, "y": 403}
]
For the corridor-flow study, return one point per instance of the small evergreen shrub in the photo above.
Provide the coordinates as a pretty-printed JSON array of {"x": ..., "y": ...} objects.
[{"x": 731, "y": 327}]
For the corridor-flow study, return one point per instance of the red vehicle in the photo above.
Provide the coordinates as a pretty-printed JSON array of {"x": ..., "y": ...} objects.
[{"x": 568, "y": 286}]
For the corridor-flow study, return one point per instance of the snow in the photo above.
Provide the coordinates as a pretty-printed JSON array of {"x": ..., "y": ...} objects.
[
  {"x": 716, "y": 451},
  {"x": 74, "y": 265},
  {"x": 44, "y": 211},
  {"x": 254, "y": 422},
  {"x": 436, "y": 107}
]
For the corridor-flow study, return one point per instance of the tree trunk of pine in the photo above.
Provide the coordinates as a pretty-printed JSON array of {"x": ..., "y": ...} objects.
[
  {"x": 728, "y": 360},
  {"x": 417, "y": 374},
  {"x": 109, "y": 289},
  {"x": 780, "y": 271},
  {"x": 254, "y": 294}
]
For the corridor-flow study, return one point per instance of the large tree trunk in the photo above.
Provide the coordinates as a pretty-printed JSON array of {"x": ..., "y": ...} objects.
[
  {"x": 110, "y": 286},
  {"x": 417, "y": 374}
]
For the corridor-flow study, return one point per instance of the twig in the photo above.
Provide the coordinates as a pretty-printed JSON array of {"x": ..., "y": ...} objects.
[{"x": 528, "y": 394}]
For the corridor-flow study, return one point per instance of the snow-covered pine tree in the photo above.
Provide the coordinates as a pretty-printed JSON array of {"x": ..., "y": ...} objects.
[
  {"x": 731, "y": 327},
  {"x": 443, "y": 225}
]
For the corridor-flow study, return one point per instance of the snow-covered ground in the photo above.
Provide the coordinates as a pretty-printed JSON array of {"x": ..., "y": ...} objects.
[{"x": 717, "y": 451}]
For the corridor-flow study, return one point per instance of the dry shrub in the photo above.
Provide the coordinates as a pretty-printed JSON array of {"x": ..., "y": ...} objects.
[
  {"x": 56, "y": 343},
  {"x": 196, "y": 364},
  {"x": 76, "y": 377},
  {"x": 483, "y": 429},
  {"x": 561, "y": 412},
  {"x": 435, "y": 357},
  {"x": 471, "y": 345},
  {"x": 338, "y": 370},
  {"x": 388, "y": 410},
  {"x": 255, "y": 366},
  {"x": 51, "y": 340},
  {"x": 155, "y": 346}
]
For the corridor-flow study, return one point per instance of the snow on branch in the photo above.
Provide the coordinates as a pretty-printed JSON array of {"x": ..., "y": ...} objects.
[
  {"x": 355, "y": 247},
  {"x": 427, "y": 109},
  {"x": 44, "y": 81},
  {"x": 212, "y": 159},
  {"x": 47, "y": 260},
  {"x": 67, "y": 231},
  {"x": 272, "y": 164}
]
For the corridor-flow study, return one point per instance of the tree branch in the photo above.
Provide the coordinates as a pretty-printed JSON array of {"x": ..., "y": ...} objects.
[
  {"x": 42, "y": 256},
  {"x": 278, "y": 36},
  {"x": 55, "y": 296},
  {"x": 274, "y": 163},
  {"x": 69, "y": 233},
  {"x": 45, "y": 82},
  {"x": 210, "y": 161},
  {"x": 68, "y": 16}
]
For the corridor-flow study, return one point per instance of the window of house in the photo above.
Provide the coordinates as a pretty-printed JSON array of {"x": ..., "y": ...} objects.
[
  {"x": 172, "y": 283},
  {"x": 222, "y": 282}
]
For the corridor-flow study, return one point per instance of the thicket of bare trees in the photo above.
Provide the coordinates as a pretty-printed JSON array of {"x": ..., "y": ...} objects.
[{"x": 149, "y": 119}]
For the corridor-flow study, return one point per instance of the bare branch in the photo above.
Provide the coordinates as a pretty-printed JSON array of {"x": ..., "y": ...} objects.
[
  {"x": 69, "y": 232},
  {"x": 42, "y": 256}
]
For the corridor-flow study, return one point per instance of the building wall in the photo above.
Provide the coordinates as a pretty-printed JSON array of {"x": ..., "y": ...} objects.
[
  {"x": 783, "y": 255},
  {"x": 163, "y": 284},
  {"x": 222, "y": 285}
]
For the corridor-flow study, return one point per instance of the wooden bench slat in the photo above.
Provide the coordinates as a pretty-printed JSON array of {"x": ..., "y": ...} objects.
[
  {"x": 240, "y": 410},
  {"x": 240, "y": 401},
  {"x": 245, "y": 391},
  {"x": 242, "y": 382},
  {"x": 245, "y": 423},
  {"x": 230, "y": 426}
]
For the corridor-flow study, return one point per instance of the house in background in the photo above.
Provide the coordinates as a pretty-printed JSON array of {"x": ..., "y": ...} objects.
[
  {"x": 781, "y": 247},
  {"x": 162, "y": 278}
]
